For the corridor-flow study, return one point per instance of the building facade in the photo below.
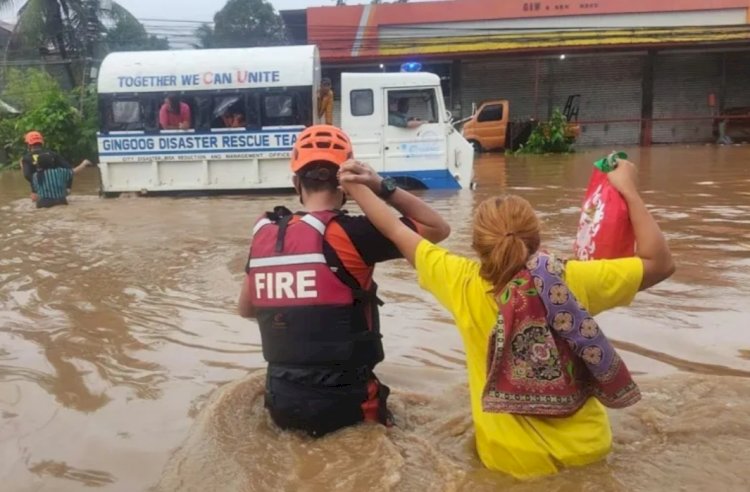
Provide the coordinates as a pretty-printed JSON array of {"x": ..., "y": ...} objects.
[{"x": 646, "y": 72}]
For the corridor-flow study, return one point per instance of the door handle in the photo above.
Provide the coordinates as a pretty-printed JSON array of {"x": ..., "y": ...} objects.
[{"x": 386, "y": 148}]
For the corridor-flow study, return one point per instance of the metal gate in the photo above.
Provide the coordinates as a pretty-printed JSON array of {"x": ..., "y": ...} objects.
[
  {"x": 682, "y": 84},
  {"x": 511, "y": 79},
  {"x": 609, "y": 85},
  {"x": 737, "y": 79}
]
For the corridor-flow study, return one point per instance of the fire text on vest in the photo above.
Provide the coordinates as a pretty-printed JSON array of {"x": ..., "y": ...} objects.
[{"x": 286, "y": 285}]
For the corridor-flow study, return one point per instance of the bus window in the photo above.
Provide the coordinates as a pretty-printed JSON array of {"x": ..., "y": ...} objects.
[
  {"x": 304, "y": 100},
  {"x": 279, "y": 106},
  {"x": 200, "y": 111},
  {"x": 252, "y": 110},
  {"x": 125, "y": 116},
  {"x": 278, "y": 110},
  {"x": 150, "y": 105},
  {"x": 229, "y": 112}
]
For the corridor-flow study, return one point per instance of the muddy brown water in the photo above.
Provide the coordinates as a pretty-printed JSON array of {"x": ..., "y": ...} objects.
[{"x": 123, "y": 366}]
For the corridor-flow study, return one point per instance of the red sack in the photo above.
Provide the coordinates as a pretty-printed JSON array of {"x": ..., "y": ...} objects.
[{"x": 604, "y": 230}]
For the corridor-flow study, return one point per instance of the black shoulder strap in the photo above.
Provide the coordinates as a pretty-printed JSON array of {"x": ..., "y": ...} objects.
[
  {"x": 338, "y": 268},
  {"x": 281, "y": 235}
]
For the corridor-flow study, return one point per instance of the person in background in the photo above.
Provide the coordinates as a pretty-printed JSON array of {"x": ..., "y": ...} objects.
[
  {"x": 174, "y": 114},
  {"x": 325, "y": 102},
  {"x": 39, "y": 157},
  {"x": 51, "y": 185},
  {"x": 398, "y": 114},
  {"x": 540, "y": 369},
  {"x": 310, "y": 285},
  {"x": 37, "y": 153},
  {"x": 233, "y": 119}
]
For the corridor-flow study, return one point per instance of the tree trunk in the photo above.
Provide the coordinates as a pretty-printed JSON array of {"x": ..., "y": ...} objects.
[{"x": 56, "y": 22}]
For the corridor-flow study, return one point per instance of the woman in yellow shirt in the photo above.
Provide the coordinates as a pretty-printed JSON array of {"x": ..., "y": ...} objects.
[{"x": 505, "y": 236}]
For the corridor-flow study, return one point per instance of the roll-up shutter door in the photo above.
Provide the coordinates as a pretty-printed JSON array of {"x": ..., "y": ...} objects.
[
  {"x": 610, "y": 89},
  {"x": 511, "y": 79},
  {"x": 682, "y": 83},
  {"x": 737, "y": 79}
]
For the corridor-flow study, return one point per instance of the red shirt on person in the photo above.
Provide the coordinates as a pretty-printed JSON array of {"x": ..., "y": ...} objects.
[{"x": 169, "y": 120}]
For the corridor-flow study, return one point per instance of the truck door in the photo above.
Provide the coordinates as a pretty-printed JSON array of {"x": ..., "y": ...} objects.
[
  {"x": 492, "y": 123},
  {"x": 415, "y": 135},
  {"x": 362, "y": 118}
]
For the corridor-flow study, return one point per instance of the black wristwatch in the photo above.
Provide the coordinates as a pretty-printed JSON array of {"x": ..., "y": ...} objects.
[{"x": 387, "y": 188}]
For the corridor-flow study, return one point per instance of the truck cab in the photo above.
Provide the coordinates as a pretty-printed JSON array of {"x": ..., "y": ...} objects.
[
  {"x": 399, "y": 125},
  {"x": 488, "y": 126}
]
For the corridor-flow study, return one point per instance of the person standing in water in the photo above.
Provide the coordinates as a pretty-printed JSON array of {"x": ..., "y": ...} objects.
[
  {"x": 36, "y": 154},
  {"x": 52, "y": 185},
  {"x": 325, "y": 102},
  {"x": 49, "y": 175},
  {"x": 540, "y": 369},
  {"x": 310, "y": 285}
]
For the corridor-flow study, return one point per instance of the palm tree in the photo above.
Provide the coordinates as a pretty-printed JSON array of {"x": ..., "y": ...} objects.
[
  {"x": 44, "y": 26},
  {"x": 73, "y": 30}
]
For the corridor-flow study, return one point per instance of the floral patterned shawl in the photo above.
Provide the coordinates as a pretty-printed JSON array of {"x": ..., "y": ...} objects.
[{"x": 547, "y": 355}]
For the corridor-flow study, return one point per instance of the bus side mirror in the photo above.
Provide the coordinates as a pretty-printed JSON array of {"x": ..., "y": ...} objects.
[{"x": 448, "y": 117}]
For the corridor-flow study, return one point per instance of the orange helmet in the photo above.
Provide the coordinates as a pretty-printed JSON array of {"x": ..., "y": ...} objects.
[
  {"x": 321, "y": 143},
  {"x": 34, "y": 138}
]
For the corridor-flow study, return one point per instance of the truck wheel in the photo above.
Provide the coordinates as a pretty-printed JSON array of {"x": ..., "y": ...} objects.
[{"x": 477, "y": 146}]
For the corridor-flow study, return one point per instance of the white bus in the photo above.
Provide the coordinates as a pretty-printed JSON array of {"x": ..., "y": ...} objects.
[{"x": 247, "y": 107}]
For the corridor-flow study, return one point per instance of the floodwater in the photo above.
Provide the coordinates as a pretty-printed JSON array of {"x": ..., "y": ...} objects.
[{"x": 123, "y": 366}]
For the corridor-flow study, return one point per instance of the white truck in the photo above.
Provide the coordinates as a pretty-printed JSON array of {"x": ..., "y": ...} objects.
[{"x": 246, "y": 107}]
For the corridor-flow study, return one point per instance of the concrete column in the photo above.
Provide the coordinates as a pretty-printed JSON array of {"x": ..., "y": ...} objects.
[{"x": 455, "y": 100}]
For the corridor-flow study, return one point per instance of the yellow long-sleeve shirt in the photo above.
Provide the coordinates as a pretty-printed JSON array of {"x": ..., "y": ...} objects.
[{"x": 325, "y": 107}]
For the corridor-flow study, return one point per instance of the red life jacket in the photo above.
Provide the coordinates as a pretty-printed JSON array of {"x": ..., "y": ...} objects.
[{"x": 311, "y": 311}]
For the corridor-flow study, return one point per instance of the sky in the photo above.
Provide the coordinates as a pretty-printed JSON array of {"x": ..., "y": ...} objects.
[
  {"x": 162, "y": 17},
  {"x": 197, "y": 10}
]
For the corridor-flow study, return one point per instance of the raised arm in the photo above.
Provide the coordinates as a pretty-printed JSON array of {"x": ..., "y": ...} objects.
[
  {"x": 651, "y": 245},
  {"x": 83, "y": 165},
  {"x": 405, "y": 239},
  {"x": 430, "y": 224}
]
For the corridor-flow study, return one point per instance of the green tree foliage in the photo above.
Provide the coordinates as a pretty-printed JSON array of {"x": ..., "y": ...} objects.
[
  {"x": 50, "y": 111},
  {"x": 243, "y": 23},
  {"x": 73, "y": 30},
  {"x": 128, "y": 34},
  {"x": 27, "y": 89},
  {"x": 549, "y": 137}
]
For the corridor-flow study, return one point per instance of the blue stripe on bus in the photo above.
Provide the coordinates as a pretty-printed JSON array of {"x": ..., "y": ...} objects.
[
  {"x": 198, "y": 152},
  {"x": 433, "y": 179}
]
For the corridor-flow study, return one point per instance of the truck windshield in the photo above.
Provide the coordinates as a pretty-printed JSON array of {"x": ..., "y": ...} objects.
[{"x": 414, "y": 103}]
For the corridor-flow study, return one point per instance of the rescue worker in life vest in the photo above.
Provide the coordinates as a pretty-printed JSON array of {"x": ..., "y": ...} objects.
[
  {"x": 49, "y": 175},
  {"x": 310, "y": 285}
]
